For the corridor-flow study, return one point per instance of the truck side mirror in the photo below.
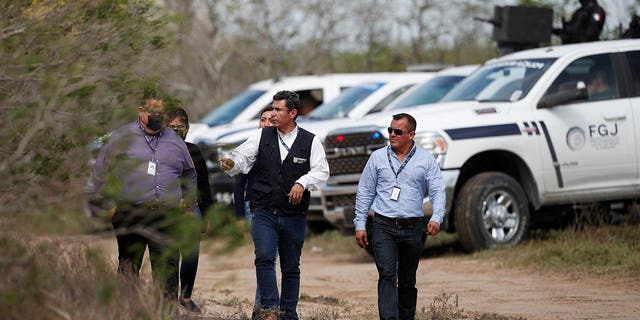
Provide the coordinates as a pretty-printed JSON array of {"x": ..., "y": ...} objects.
[{"x": 567, "y": 92}]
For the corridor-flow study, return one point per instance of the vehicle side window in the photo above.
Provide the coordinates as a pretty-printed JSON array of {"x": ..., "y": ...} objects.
[
  {"x": 309, "y": 100},
  {"x": 634, "y": 64},
  {"x": 596, "y": 72},
  {"x": 385, "y": 102}
]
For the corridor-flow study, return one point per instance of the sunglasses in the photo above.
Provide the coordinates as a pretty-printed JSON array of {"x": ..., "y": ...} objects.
[{"x": 398, "y": 132}]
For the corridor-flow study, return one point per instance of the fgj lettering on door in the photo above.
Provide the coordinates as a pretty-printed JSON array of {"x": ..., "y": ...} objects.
[
  {"x": 603, "y": 130},
  {"x": 604, "y": 136}
]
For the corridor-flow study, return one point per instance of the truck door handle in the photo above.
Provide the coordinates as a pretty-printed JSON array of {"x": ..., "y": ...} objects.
[{"x": 615, "y": 117}]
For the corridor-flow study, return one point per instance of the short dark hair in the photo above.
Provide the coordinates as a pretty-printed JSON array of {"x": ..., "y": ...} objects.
[
  {"x": 179, "y": 113},
  {"x": 410, "y": 120},
  {"x": 292, "y": 98}
]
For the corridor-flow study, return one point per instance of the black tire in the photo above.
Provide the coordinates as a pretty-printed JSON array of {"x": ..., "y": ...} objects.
[{"x": 491, "y": 211}]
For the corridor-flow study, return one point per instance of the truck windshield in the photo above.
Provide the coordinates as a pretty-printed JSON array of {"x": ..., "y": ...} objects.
[
  {"x": 340, "y": 106},
  {"x": 231, "y": 108},
  {"x": 500, "y": 81},
  {"x": 429, "y": 92}
]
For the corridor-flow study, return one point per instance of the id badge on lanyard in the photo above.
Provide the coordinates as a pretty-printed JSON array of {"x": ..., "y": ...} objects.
[
  {"x": 151, "y": 169},
  {"x": 395, "y": 193}
]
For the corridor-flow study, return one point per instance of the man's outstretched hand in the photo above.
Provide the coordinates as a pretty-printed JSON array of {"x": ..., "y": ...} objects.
[{"x": 226, "y": 164}]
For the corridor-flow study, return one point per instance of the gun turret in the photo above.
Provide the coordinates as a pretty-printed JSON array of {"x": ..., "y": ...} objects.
[
  {"x": 493, "y": 22},
  {"x": 517, "y": 28}
]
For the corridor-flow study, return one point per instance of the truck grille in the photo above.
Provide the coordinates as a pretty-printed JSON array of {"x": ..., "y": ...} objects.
[
  {"x": 341, "y": 200},
  {"x": 348, "y": 153}
]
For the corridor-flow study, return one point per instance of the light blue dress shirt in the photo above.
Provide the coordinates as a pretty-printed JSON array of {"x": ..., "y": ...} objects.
[{"x": 421, "y": 173}]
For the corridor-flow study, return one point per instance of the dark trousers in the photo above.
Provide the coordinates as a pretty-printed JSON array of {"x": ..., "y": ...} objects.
[
  {"x": 397, "y": 251},
  {"x": 190, "y": 251},
  {"x": 137, "y": 228},
  {"x": 272, "y": 235}
]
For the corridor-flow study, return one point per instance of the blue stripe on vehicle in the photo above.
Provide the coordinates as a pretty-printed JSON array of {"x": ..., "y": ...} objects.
[
  {"x": 535, "y": 125},
  {"x": 554, "y": 157},
  {"x": 526, "y": 125},
  {"x": 484, "y": 131}
]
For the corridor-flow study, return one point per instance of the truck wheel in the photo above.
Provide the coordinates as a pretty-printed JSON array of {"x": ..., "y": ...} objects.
[{"x": 491, "y": 211}]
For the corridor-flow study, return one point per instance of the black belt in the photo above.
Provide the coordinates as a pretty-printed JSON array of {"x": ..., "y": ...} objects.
[
  {"x": 400, "y": 222},
  {"x": 280, "y": 213}
]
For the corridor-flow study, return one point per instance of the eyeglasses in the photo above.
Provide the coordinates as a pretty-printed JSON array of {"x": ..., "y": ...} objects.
[
  {"x": 398, "y": 132},
  {"x": 179, "y": 127}
]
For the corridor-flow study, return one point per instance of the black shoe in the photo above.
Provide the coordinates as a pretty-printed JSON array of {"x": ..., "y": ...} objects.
[{"x": 190, "y": 306}]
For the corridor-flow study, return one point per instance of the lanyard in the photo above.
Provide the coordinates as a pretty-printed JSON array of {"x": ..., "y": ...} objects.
[
  {"x": 404, "y": 163},
  {"x": 282, "y": 142},
  {"x": 149, "y": 139}
]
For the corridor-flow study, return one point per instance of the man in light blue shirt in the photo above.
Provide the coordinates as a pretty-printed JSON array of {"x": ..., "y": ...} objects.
[{"x": 393, "y": 184}]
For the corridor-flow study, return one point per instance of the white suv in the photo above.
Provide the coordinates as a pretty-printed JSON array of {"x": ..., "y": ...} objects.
[{"x": 531, "y": 129}]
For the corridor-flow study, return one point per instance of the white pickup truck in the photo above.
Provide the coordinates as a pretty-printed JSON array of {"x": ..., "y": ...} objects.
[{"x": 542, "y": 127}]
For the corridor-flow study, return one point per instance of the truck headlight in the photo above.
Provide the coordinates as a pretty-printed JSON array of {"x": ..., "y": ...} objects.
[{"x": 434, "y": 143}]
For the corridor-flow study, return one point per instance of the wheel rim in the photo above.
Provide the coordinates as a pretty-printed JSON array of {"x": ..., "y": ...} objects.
[{"x": 500, "y": 216}]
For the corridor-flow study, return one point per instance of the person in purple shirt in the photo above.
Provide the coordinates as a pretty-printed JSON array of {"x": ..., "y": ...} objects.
[{"x": 142, "y": 171}]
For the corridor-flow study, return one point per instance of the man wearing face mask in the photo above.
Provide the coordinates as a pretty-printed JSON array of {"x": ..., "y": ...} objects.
[{"x": 146, "y": 171}]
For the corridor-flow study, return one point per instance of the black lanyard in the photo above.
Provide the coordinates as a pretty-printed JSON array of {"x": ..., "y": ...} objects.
[
  {"x": 149, "y": 140},
  {"x": 282, "y": 142},
  {"x": 404, "y": 163}
]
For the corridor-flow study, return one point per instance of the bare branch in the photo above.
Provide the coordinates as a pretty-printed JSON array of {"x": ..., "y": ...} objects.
[{"x": 11, "y": 31}]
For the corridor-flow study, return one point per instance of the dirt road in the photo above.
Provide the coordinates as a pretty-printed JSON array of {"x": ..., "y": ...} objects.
[{"x": 341, "y": 286}]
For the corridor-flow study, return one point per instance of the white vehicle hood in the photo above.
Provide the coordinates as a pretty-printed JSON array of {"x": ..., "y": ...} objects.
[
  {"x": 440, "y": 116},
  {"x": 210, "y": 135},
  {"x": 431, "y": 117}
]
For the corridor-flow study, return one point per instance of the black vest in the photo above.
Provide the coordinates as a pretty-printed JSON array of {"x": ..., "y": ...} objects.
[{"x": 274, "y": 179}]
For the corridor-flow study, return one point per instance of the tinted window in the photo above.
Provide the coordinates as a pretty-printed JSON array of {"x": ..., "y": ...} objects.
[
  {"x": 429, "y": 92},
  {"x": 341, "y": 105},
  {"x": 388, "y": 99},
  {"x": 500, "y": 81},
  {"x": 596, "y": 72},
  {"x": 230, "y": 109},
  {"x": 634, "y": 64}
]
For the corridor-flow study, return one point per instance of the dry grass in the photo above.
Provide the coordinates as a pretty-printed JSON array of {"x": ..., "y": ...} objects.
[
  {"x": 605, "y": 250},
  {"x": 62, "y": 279},
  {"x": 590, "y": 244}
]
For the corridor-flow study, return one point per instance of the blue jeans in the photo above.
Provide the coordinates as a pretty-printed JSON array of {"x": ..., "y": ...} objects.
[
  {"x": 397, "y": 251},
  {"x": 249, "y": 216},
  {"x": 273, "y": 235},
  {"x": 247, "y": 212}
]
